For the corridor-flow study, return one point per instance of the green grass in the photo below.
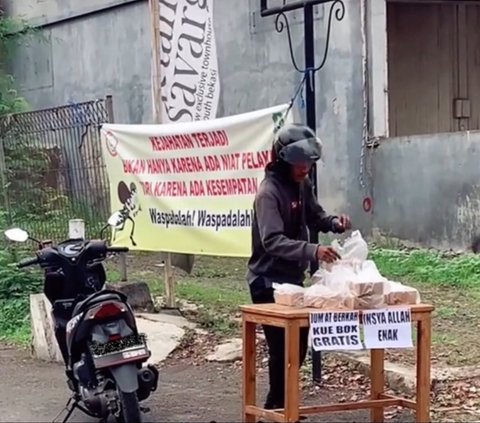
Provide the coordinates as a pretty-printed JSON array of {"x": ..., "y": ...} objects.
[
  {"x": 218, "y": 287},
  {"x": 14, "y": 304},
  {"x": 15, "y": 321},
  {"x": 218, "y": 284},
  {"x": 426, "y": 266}
]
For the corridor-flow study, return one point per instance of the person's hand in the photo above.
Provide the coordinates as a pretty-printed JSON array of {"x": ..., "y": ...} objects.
[
  {"x": 327, "y": 254},
  {"x": 342, "y": 224}
]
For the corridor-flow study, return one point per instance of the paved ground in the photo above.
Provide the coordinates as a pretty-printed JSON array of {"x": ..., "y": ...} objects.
[{"x": 33, "y": 391}]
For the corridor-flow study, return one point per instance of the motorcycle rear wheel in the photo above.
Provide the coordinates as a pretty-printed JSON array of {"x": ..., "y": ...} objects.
[{"x": 130, "y": 408}]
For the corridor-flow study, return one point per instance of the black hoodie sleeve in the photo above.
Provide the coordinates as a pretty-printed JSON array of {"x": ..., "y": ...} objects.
[
  {"x": 317, "y": 218},
  {"x": 272, "y": 232}
]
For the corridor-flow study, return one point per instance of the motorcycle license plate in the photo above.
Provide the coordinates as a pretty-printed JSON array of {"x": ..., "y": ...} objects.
[{"x": 132, "y": 353}]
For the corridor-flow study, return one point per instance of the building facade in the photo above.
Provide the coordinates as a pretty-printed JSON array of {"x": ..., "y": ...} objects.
[{"x": 397, "y": 100}]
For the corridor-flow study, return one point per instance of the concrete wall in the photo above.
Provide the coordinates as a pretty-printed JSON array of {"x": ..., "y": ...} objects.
[
  {"x": 88, "y": 57},
  {"x": 427, "y": 188},
  {"x": 106, "y": 50}
]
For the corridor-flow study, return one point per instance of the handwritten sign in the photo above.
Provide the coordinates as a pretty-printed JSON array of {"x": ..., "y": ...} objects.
[
  {"x": 335, "y": 330},
  {"x": 387, "y": 328}
]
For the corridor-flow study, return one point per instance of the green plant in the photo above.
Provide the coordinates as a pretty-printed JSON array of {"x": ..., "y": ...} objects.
[
  {"x": 15, "y": 287},
  {"x": 426, "y": 266}
]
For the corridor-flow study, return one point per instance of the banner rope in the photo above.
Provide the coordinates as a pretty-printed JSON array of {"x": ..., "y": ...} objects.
[{"x": 298, "y": 91}]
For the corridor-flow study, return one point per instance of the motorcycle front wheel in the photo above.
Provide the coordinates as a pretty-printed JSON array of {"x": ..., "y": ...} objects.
[{"x": 130, "y": 408}]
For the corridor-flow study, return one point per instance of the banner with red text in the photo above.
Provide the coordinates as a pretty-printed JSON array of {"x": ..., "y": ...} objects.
[{"x": 189, "y": 187}]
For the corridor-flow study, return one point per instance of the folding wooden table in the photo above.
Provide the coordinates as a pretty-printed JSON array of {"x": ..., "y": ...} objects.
[{"x": 292, "y": 319}]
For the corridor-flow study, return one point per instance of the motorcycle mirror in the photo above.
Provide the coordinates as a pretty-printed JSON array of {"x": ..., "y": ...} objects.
[
  {"x": 115, "y": 220},
  {"x": 16, "y": 234}
]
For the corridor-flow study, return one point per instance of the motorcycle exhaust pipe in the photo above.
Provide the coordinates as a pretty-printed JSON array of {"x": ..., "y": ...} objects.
[
  {"x": 147, "y": 381},
  {"x": 146, "y": 376}
]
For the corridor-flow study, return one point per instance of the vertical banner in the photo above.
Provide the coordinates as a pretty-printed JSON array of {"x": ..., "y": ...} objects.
[
  {"x": 189, "y": 188},
  {"x": 190, "y": 85}
]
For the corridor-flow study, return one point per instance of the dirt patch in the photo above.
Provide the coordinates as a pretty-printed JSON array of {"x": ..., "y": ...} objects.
[
  {"x": 213, "y": 392},
  {"x": 341, "y": 382},
  {"x": 455, "y": 324},
  {"x": 337, "y": 387}
]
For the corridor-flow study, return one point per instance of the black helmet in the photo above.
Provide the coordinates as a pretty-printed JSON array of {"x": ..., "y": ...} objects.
[{"x": 297, "y": 144}]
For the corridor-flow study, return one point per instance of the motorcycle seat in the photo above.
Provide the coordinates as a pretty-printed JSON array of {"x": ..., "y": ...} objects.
[{"x": 95, "y": 299}]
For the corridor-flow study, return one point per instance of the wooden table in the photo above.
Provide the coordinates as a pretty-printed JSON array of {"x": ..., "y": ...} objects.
[{"x": 292, "y": 319}]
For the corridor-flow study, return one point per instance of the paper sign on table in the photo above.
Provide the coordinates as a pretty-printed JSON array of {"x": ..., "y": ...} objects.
[
  {"x": 335, "y": 330},
  {"x": 390, "y": 328}
]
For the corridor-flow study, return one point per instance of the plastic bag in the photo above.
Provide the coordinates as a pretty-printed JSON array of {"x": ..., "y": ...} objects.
[
  {"x": 319, "y": 276},
  {"x": 288, "y": 294},
  {"x": 359, "y": 280},
  {"x": 325, "y": 298},
  {"x": 368, "y": 271},
  {"x": 368, "y": 280},
  {"x": 398, "y": 294},
  {"x": 354, "y": 248},
  {"x": 369, "y": 302},
  {"x": 339, "y": 277}
]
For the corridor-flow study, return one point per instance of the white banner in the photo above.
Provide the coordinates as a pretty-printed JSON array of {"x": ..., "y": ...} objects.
[
  {"x": 189, "y": 188},
  {"x": 190, "y": 85}
]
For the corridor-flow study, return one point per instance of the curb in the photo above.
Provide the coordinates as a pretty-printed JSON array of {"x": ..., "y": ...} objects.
[
  {"x": 402, "y": 379},
  {"x": 398, "y": 378}
]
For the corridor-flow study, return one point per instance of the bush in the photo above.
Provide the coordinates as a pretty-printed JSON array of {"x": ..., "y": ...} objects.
[
  {"x": 15, "y": 287},
  {"x": 15, "y": 284}
]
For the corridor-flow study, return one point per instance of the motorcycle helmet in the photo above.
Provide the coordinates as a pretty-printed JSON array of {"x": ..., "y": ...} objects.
[{"x": 297, "y": 144}]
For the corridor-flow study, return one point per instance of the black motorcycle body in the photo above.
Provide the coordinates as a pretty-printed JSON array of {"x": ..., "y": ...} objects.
[{"x": 96, "y": 331}]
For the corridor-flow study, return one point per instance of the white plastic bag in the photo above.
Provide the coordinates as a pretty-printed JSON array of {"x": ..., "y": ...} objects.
[
  {"x": 353, "y": 275},
  {"x": 369, "y": 302},
  {"x": 288, "y": 294},
  {"x": 327, "y": 298},
  {"x": 360, "y": 280},
  {"x": 398, "y": 294},
  {"x": 319, "y": 276},
  {"x": 369, "y": 281},
  {"x": 368, "y": 272},
  {"x": 340, "y": 276},
  {"x": 354, "y": 248}
]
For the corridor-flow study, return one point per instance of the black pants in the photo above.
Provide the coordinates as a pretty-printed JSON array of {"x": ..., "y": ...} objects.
[{"x": 275, "y": 338}]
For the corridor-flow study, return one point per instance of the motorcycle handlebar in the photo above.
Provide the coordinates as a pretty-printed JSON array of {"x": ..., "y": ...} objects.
[
  {"x": 27, "y": 262},
  {"x": 117, "y": 249},
  {"x": 35, "y": 260}
]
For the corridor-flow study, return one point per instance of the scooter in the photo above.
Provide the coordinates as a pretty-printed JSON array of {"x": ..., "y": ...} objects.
[{"x": 95, "y": 328}]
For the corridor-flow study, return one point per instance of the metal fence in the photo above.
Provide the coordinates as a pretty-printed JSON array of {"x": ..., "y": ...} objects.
[{"x": 52, "y": 169}]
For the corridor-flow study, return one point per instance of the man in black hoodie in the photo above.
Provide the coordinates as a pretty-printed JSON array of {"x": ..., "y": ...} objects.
[{"x": 285, "y": 210}]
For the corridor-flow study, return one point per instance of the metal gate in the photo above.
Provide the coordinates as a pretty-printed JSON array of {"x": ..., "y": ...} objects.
[{"x": 52, "y": 169}]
